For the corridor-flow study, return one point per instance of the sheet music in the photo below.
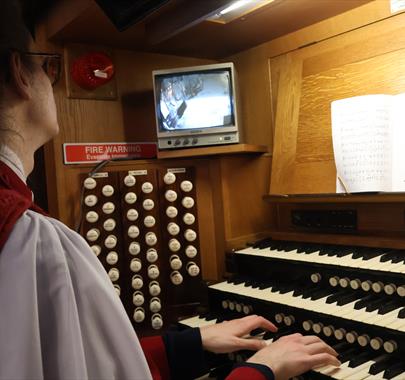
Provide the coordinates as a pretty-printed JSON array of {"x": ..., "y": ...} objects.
[
  {"x": 361, "y": 134},
  {"x": 398, "y": 142}
]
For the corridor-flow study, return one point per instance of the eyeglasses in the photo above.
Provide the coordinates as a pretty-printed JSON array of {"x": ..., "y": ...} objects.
[{"x": 51, "y": 65}]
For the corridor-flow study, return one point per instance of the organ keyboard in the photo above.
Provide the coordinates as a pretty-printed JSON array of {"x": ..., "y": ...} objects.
[{"x": 351, "y": 297}]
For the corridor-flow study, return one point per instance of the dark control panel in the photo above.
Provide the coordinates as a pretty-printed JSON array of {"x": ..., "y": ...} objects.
[{"x": 334, "y": 221}]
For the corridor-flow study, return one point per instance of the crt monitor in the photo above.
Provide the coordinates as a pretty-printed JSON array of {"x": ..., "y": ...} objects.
[{"x": 196, "y": 106}]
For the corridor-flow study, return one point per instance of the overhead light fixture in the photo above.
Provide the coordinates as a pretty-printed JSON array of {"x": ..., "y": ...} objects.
[{"x": 237, "y": 9}]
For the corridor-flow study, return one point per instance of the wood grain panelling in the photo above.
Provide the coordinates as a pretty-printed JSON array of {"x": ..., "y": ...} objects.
[{"x": 356, "y": 63}]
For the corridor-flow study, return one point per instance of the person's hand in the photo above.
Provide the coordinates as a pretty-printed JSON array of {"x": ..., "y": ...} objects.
[
  {"x": 292, "y": 355},
  {"x": 228, "y": 336}
]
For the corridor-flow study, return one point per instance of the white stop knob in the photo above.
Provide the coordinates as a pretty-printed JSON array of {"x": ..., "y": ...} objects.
[
  {"x": 317, "y": 327},
  {"x": 155, "y": 306},
  {"x": 93, "y": 234},
  {"x": 112, "y": 258},
  {"x": 316, "y": 278},
  {"x": 186, "y": 186},
  {"x": 129, "y": 180},
  {"x": 147, "y": 187},
  {"x": 355, "y": 284},
  {"x": 110, "y": 241},
  {"x": 150, "y": 239},
  {"x": 363, "y": 340},
  {"x": 90, "y": 200},
  {"x": 133, "y": 232},
  {"x": 134, "y": 248},
  {"x": 170, "y": 195},
  {"x": 174, "y": 245},
  {"x": 187, "y": 202},
  {"x": 307, "y": 325},
  {"x": 175, "y": 262},
  {"x": 173, "y": 229},
  {"x": 153, "y": 272},
  {"x": 109, "y": 224},
  {"x": 344, "y": 282},
  {"x": 191, "y": 251},
  {"x": 169, "y": 178},
  {"x": 351, "y": 337},
  {"x": 139, "y": 315},
  {"x": 132, "y": 214},
  {"x": 138, "y": 299},
  {"x": 376, "y": 343},
  {"x": 92, "y": 217},
  {"x": 188, "y": 218},
  {"x": 193, "y": 269},
  {"x": 114, "y": 274},
  {"x": 135, "y": 265},
  {"x": 107, "y": 190},
  {"x": 334, "y": 281},
  {"x": 176, "y": 278},
  {"x": 157, "y": 321},
  {"x": 377, "y": 286},
  {"x": 90, "y": 183},
  {"x": 190, "y": 235},
  {"x": 117, "y": 289},
  {"x": 154, "y": 288},
  {"x": 108, "y": 208},
  {"x": 328, "y": 330},
  {"x": 130, "y": 198},
  {"x": 340, "y": 334},
  {"x": 171, "y": 212},
  {"x": 137, "y": 282},
  {"x": 96, "y": 249},
  {"x": 151, "y": 255},
  {"x": 149, "y": 221},
  {"x": 148, "y": 204},
  {"x": 366, "y": 285}
]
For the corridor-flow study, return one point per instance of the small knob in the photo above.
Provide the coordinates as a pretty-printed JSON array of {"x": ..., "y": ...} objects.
[
  {"x": 148, "y": 204},
  {"x": 328, "y": 330},
  {"x": 151, "y": 255},
  {"x": 117, "y": 289},
  {"x": 114, "y": 274},
  {"x": 176, "y": 278},
  {"x": 169, "y": 178},
  {"x": 307, "y": 325},
  {"x": 174, "y": 245},
  {"x": 390, "y": 346},
  {"x": 344, "y": 282},
  {"x": 317, "y": 327},
  {"x": 139, "y": 315},
  {"x": 90, "y": 200},
  {"x": 153, "y": 272},
  {"x": 96, "y": 249},
  {"x": 190, "y": 235},
  {"x": 363, "y": 340},
  {"x": 138, "y": 299},
  {"x": 134, "y": 248},
  {"x": 155, "y": 306},
  {"x": 108, "y": 208},
  {"x": 193, "y": 269},
  {"x": 147, "y": 187},
  {"x": 129, "y": 180},
  {"x": 112, "y": 258},
  {"x": 366, "y": 285},
  {"x": 157, "y": 321},
  {"x": 376, "y": 343},
  {"x": 92, "y": 217},
  {"x": 109, "y": 224},
  {"x": 135, "y": 265},
  {"x": 133, "y": 232},
  {"x": 316, "y": 278},
  {"x": 191, "y": 251},
  {"x": 132, "y": 214},
  {"x": 187, "y": 202},
  {"x": 130, "y": 197},
  {"x": 107, "y": 190},
  {"x": 390, "y": 289},
  {"x": 340, "y": 334},
  {"x": 377, "y": 286},
  {"x": 154, "y": 288},
  {"x": 401, "y": 291},
  {"x": 89, "y": 183},
  {"x": 351, "y": 337},
  {"x": 334, "y": 281},
  {"x": 355, "y": 284},
  {"x": 137, "y": 282},
  {"x": 173, "y": 228},
  {"x": 149, "y": 221},
  {"x": 110, "y": 241},
  {"x": 186, "y": 186},
  {"x": 92, "y": 234},
  {"x": 175, "y": 262},
  {"x": 289, "y": 320},
  {"x": 247, "y": 309},
  {"x": 239, "y": 307},
  {"x": 188, "y": 219},
  {"x": 170, "y": 195},
  {"x": 150, "y": 239},
  {"x": 279, "y": 317},
  {"x": 171, "y": 212},
  {"x": 225, "y": 304}
]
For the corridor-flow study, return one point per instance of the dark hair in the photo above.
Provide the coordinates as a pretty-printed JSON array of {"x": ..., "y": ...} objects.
[{"x": 14, "y": 35}]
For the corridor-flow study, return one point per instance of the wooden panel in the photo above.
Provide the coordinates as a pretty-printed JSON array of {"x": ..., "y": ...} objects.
[{"x": 357, "y": 63}]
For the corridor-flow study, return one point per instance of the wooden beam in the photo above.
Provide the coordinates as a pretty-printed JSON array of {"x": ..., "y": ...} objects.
[{"x": 186, "y": 15}]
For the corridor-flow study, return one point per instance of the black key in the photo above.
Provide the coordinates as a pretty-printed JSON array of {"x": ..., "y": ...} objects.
[
  {"x": 390, "y": 306},
  {"x": 268, "y": 335},
  {"x": 265, "y": 241},
  {"x": 389, "y": 255},
  {"x": 341, "y": 347},
  {"x": 374, "y": 305},
  {"x": 401, "y": 313},
  {"x": 328, "y": 250},
  {"x": 382, "y": 365},
  {"x": 394, "y": 370},
  {"x": 320, "y": 294},
  {"x": 362, "y": 358},
  {"x": 349, "y": 298},
  {"x": 348, "y": 354},
  {"x": 257, "y": 331},
  {"x": 344, "y": 251},
  {"x": 334, "y": 297},
  {"x": 364, "y": 301},
  {"x": 211, "y": 316}
]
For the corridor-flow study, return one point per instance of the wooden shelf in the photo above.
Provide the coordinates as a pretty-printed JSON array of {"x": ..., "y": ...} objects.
[
  {"x": 336, "y": 198},
  {"x": 214, "y": 150}
]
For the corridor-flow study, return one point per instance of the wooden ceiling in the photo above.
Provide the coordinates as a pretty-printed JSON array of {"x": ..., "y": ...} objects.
[{"x": 179, "y": 27}]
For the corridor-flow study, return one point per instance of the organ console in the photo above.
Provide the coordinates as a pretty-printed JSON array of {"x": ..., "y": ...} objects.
[{"x": 350, "y": 296}]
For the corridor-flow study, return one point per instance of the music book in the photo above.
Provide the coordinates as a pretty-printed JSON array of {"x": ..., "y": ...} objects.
[{"x": 368, "y": 135}]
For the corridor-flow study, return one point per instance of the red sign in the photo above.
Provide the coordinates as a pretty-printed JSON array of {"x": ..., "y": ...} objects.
[{"x": 85, "y": 153}]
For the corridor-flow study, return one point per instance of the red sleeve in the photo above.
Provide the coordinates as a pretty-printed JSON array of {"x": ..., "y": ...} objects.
[
  {"x": 155, "y": 353},
  {"x": 243, "y": 373}
]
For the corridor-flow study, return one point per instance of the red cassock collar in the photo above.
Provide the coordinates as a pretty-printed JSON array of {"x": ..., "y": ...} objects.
[{"x": 15, "y": 199}]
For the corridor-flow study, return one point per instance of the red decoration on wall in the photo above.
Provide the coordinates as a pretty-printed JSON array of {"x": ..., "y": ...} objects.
[{"x": 92, "y": 70}]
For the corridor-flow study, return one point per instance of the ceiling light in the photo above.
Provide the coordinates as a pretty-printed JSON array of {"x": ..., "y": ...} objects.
[{"x": 237, "y": 9}]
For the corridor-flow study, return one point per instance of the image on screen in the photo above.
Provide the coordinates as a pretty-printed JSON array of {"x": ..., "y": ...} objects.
[{"x": 195, "y": 100}]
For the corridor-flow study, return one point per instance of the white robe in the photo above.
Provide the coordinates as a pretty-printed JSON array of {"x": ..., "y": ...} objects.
[{"x": 60, "y": 317}]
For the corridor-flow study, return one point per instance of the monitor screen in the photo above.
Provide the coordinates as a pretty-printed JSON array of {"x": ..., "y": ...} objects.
[{"x": 194, "y": 100}]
